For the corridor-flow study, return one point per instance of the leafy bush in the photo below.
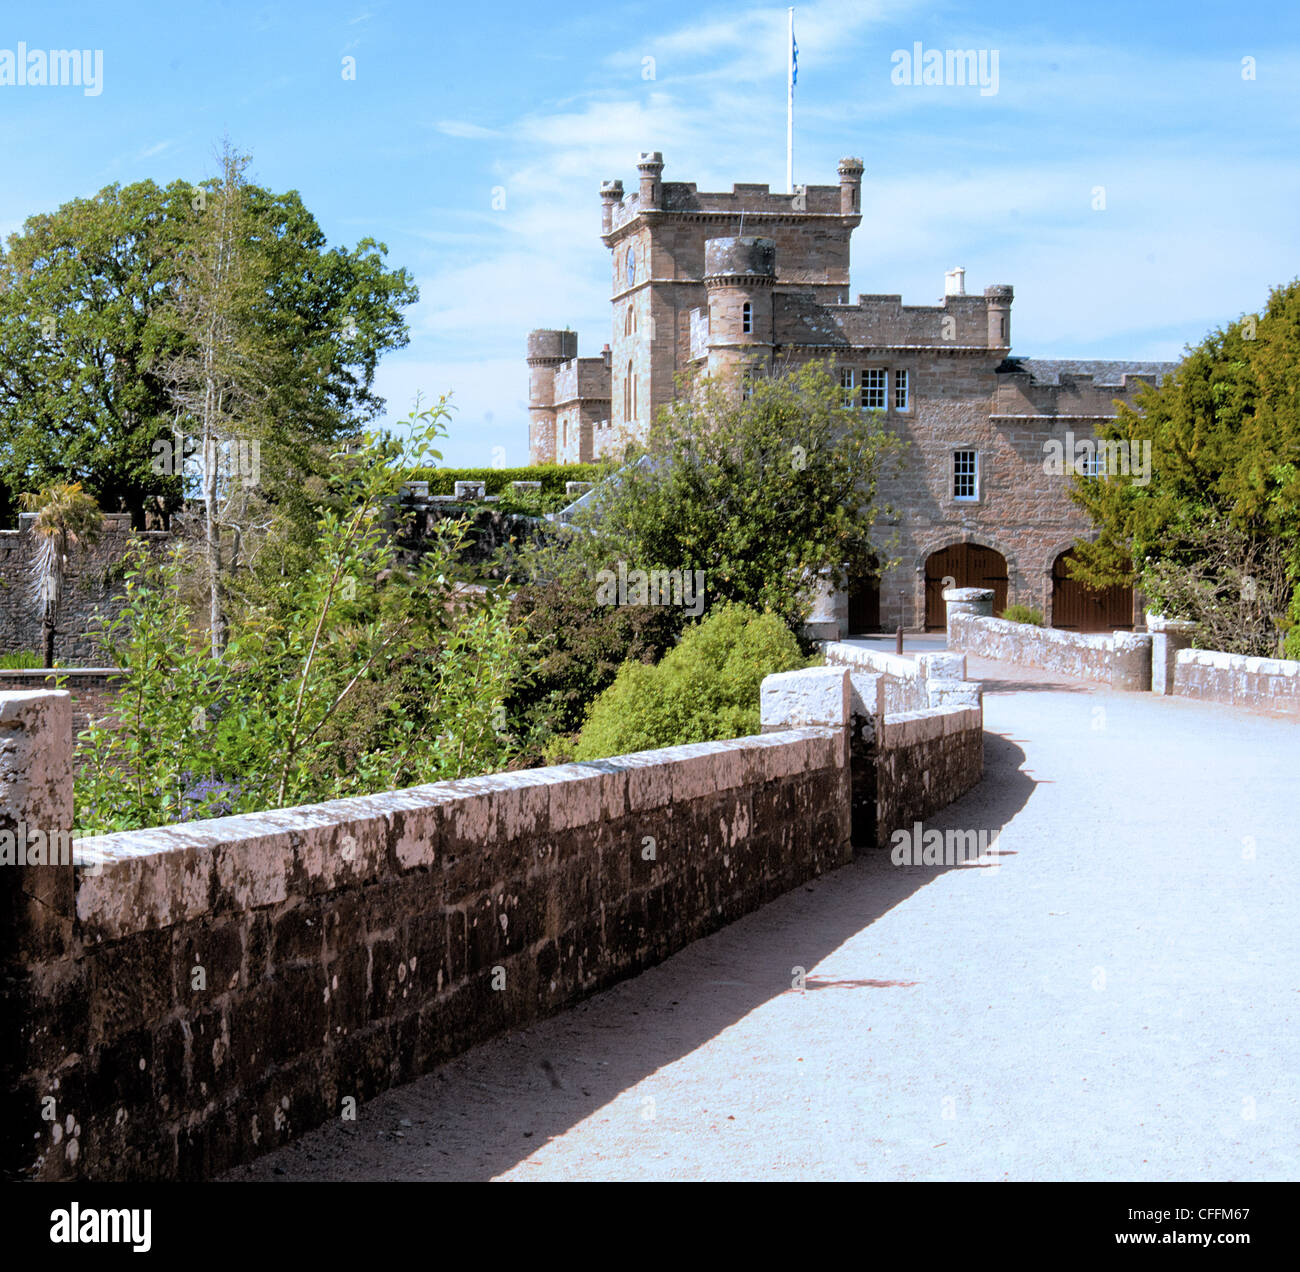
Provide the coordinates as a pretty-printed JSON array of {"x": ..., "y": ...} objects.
[
  {"x": 367, "y": 674},
  {"x": 1023, "y": 614},
  {"x": 1211, "y": 532},
  {"x": 705, "y": 689},
  {"x": 579, "y": 647}
]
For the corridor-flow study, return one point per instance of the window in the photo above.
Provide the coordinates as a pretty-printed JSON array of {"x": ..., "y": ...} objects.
[
  {"x": 846, "y": 383},
  {"x": 747, "y": 318},
  {"x": 629, "y": 395},
  {"x": 627, "y": 322},
  {"x": 900, "y": 390},
  {"x": 874, "y": 389},
  {"x": 631, "y": 267},
  {"x": 965, "y": 474}
]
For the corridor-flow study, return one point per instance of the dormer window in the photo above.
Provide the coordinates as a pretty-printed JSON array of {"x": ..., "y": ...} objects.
[{"x": 747, "y": 318}]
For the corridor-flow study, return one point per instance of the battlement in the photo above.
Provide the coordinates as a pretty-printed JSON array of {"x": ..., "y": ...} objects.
[
  {"x": 883, "y": 321},
  {"x": 1056, "y": 372},
  {"x": 756, "y": 199},
  {"x": 1071, "y": 387}
]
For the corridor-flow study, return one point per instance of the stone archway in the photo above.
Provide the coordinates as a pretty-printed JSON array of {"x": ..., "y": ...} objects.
[
  {"x": 1080, "y": 609},
  {"x": 969, "y": 565}
]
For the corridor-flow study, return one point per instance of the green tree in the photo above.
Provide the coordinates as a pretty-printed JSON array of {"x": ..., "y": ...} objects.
[
  {"x": 761, "y": 492},
  {"x": 89, "y": 301},
  {"x": 1224, "y": 431}
]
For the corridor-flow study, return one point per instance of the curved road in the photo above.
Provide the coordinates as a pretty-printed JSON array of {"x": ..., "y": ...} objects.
[{"x": 1119, "y": 998}]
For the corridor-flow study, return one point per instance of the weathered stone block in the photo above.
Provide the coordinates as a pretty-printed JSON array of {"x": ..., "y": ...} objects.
[{"x": 812, "y": 696}]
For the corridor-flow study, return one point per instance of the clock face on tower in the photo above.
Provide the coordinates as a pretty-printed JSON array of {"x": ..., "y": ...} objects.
[{"x": 631, "y": 268}]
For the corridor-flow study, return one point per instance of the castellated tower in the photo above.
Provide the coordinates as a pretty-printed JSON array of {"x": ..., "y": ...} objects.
[
  {"x": 732, "y": 284},
  {"x": 664, "y": 294},
  {"x": 547, "y": 350},
  {"x": 568, "y": 399}
]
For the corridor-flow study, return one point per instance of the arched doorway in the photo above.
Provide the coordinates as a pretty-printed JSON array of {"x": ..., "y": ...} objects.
[
  {"x": 970, "y": 565},
  {"x": 1080, "y": 609}
]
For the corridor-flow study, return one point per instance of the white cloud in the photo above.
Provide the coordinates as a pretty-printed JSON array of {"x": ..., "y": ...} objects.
[{"x": 460, "y": 128}]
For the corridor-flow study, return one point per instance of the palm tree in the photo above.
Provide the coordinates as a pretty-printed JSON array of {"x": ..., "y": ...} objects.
[{"x": 65, "y": 517}]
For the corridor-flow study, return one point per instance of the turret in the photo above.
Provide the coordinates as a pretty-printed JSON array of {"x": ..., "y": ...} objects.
[
  {"x": 999, "y": 298},
  {"x": 547, "y": 349},
  {"x": 739, "y": 274},
  {"x": 850, "y": 186},
  {"x": 611, "y": 195},
  {"x": 651, "y": 167}
]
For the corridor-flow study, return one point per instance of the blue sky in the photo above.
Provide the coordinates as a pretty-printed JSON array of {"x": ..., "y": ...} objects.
[{"x": 455, "y": 106}]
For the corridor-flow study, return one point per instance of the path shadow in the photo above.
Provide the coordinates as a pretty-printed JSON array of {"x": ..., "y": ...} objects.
[{"x": 487, "y": 1110}]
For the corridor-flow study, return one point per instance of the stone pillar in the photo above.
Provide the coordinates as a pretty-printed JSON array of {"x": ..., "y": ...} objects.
[
  {"x": 43, "y": 1001},
  {"x": 1130, "y": 668},
  {"x": 37, "y": 890},
  {"x": 969, "y": 600},
  {"x": 829, "y": 617},
  {"x": 1168, "y": 636}
]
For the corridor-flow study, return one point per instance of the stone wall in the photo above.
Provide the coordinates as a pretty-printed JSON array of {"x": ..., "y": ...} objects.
[
  {"x": 93, "y": 585},
  {"x": 234, "y": 982},
  {"x": 925, "y": 760},
  {"x": 1121, "y": 660},
  {"x": 904, "y": 678},
  {"x": 185, "y": 998},
  {"x": 1261, "y": 684},
  {"x": 916, "y": 736}
]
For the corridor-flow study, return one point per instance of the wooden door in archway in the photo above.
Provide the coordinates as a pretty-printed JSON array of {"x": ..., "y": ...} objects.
[
  {"x": 970, "y": 565},
  {"x": 1080, "y": 609}
]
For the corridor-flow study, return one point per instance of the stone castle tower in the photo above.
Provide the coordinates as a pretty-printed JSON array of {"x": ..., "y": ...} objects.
[{"x": 729, "y": 284}]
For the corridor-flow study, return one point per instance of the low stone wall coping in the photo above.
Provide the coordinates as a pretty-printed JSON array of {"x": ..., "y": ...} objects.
[
  {"x": 1239, "y": 662},
  {"x": 136, "y": 880},
  {"x": 845, "y": 655}
]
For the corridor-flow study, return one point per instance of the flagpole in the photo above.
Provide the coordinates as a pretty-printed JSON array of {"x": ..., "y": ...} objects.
[{"x": 789, "y": 111}]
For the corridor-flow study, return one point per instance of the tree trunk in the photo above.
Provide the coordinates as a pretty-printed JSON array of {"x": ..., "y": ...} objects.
[{"x": 47, "y": 641}]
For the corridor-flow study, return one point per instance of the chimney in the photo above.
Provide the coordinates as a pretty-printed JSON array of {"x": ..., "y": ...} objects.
[
  {"x": 605, "y": 355},
  {"x": 954, "y": 282}
]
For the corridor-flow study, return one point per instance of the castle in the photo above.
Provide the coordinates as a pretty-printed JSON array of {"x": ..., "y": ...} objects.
[{"x": 725, "y": 283}]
